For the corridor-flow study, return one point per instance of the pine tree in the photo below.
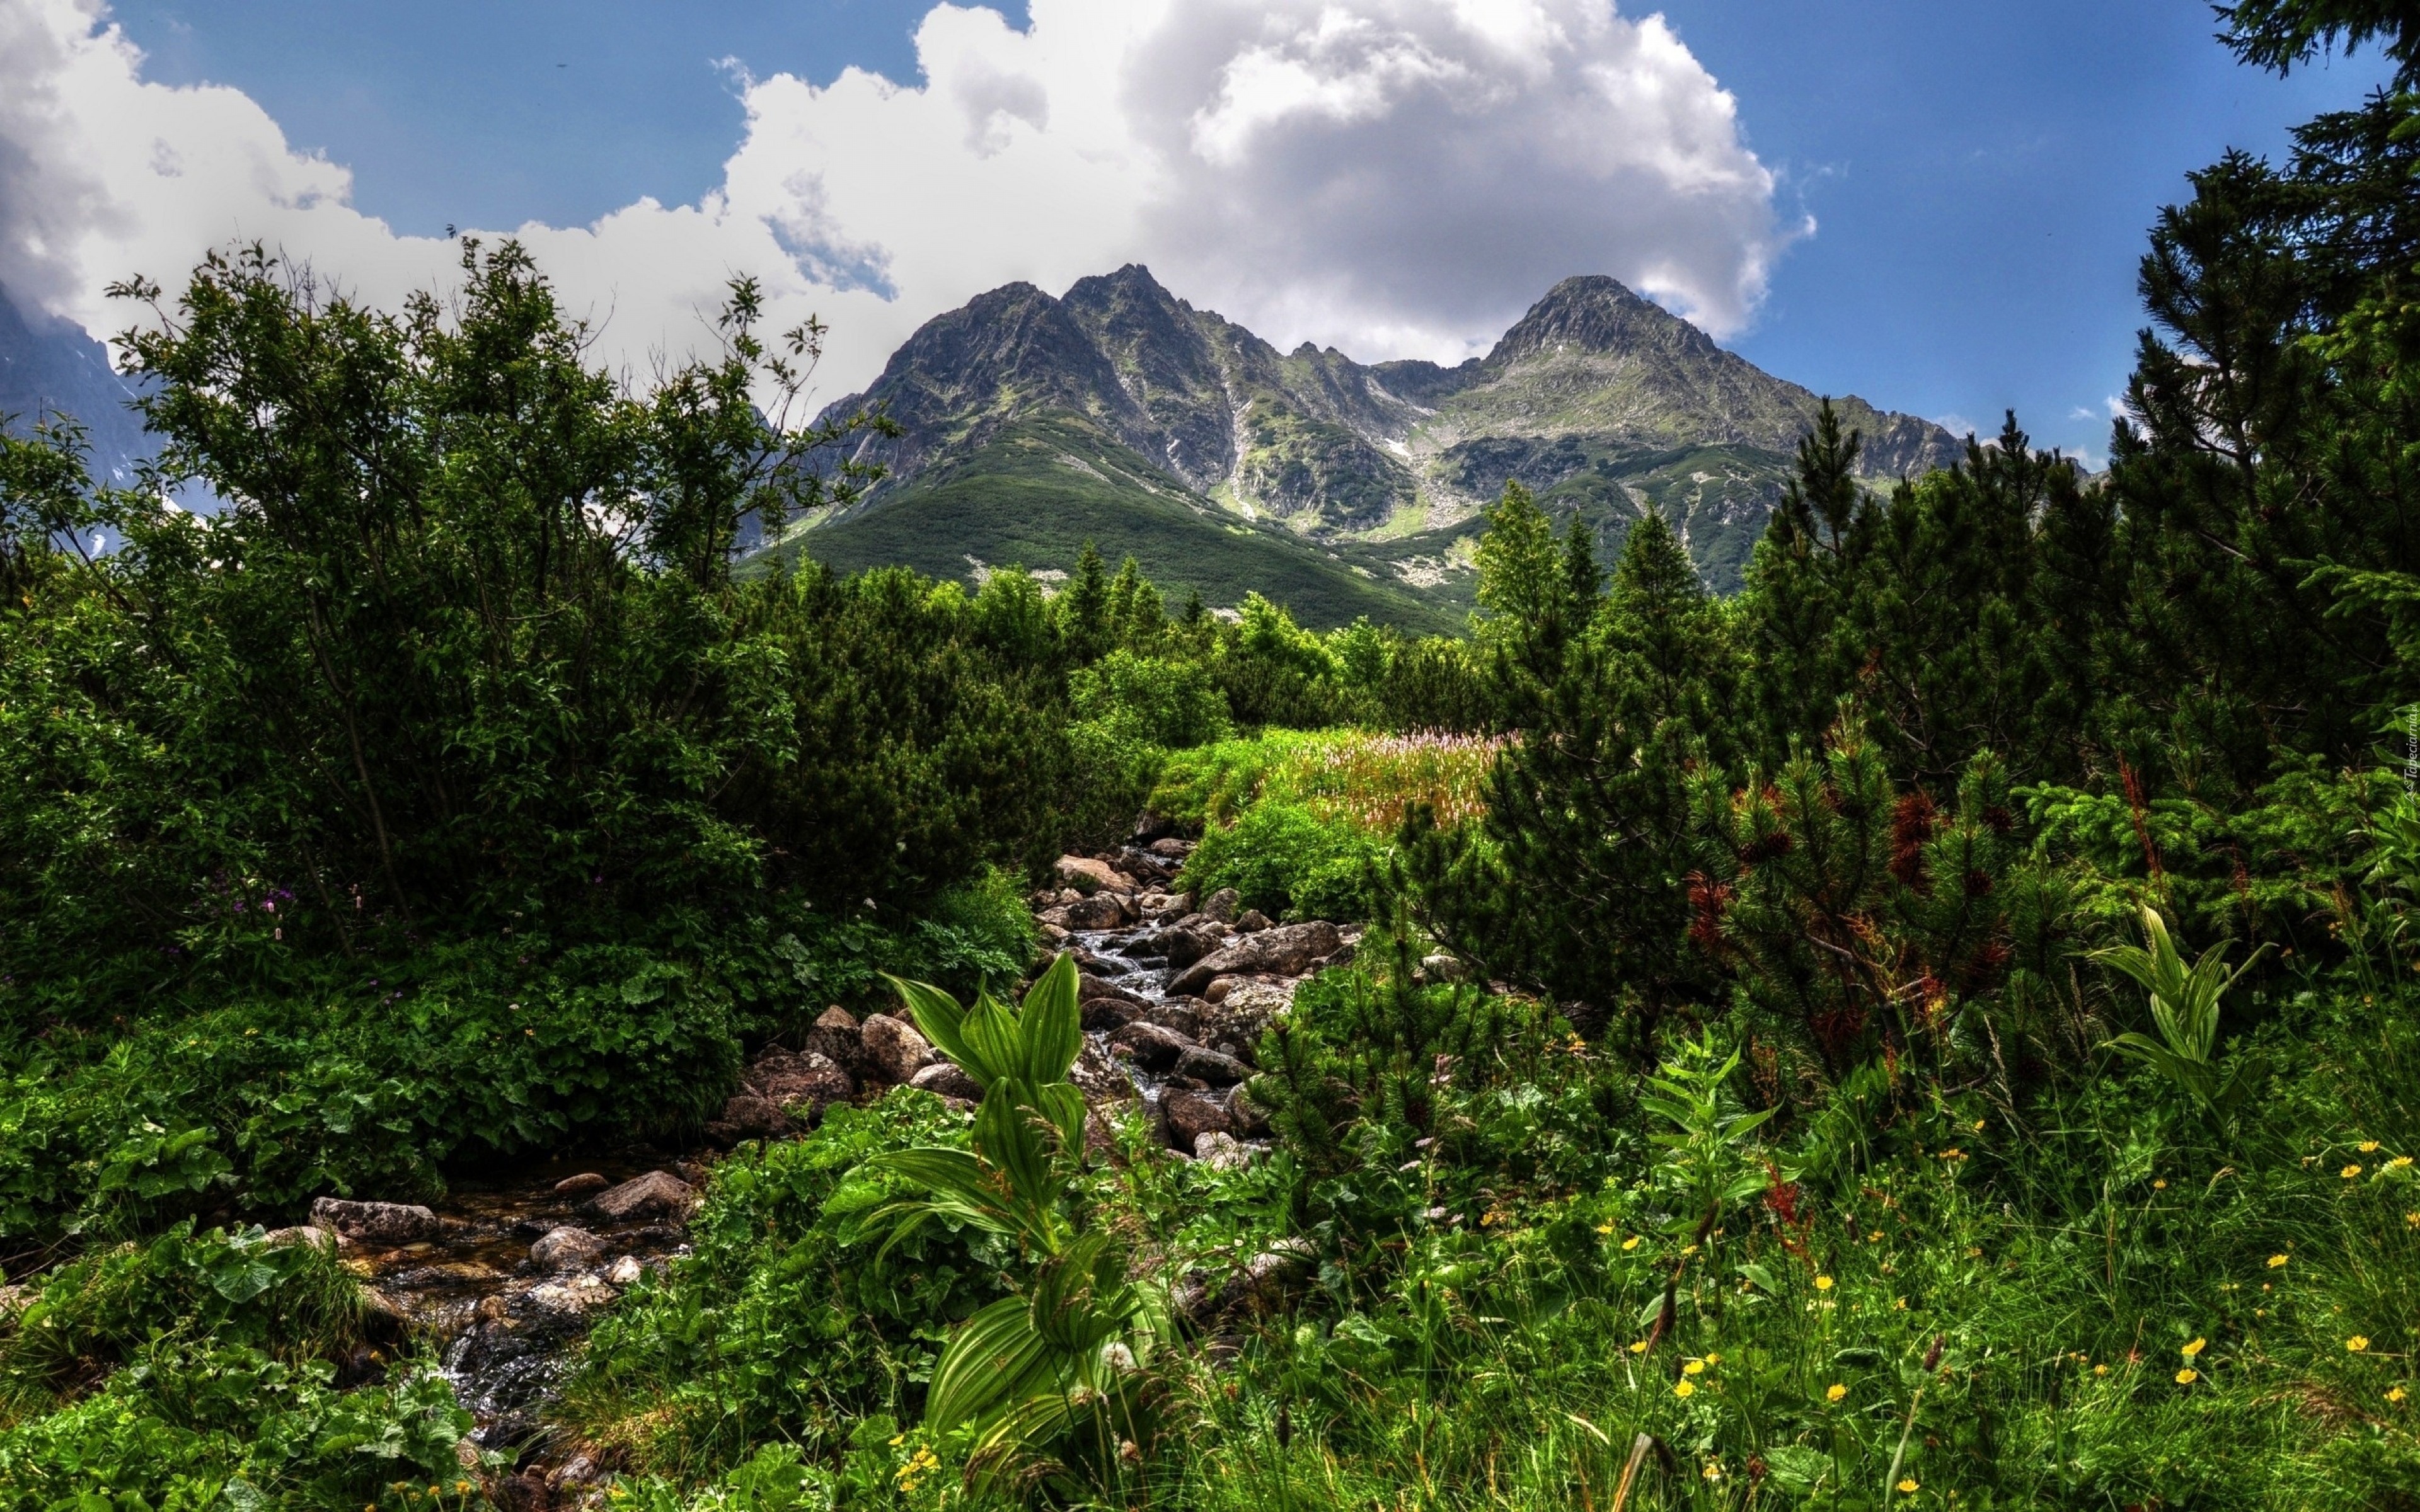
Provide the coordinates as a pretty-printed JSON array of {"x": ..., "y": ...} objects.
[{"x": 1082, "y": 610}]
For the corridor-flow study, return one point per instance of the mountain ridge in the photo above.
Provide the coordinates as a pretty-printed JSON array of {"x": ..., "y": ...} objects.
[{"x": 1602, "y": 401}]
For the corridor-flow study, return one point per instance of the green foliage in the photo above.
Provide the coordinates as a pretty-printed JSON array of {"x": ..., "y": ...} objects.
[
  {"x": 2184, "y": 1008},
  {"x": 782, "y": 1324},
  {"x": 192, "y": 1371},
  {"x": 1061, "y": 1369}
]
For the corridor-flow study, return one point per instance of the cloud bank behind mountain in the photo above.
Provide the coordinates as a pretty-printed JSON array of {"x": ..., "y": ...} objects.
[{"x": 1395, "y": 178}]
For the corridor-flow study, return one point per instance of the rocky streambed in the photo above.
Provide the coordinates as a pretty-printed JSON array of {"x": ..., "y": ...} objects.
[{"x": 504, "y": 1276}]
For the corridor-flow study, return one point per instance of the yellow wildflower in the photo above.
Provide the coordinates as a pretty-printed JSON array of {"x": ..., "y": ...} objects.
[
  {"x": 2394, "y": 1396},
  {"x": 1605, "y": 1228},
  {"x": 1908, "y": 1486},
  {"x": 1823, "y": 1283},
  {"x": 1835, "y": 1392},
  {"x": 2188, "y": 1375},
  {"x": 2101, "y": 1370},
  {"x": 2350, "y": 1172},
  {"x": 1695, "y": 1367},
  {"x": 2160, "y": 1185},
  {"x": 1632, "y": 1242},
  {"x": 2191, "y": 1350},
  {"x": 2357, "y": 1342},
  {"x": 2398, "y": 1162},
  {"x": 2370, "y": 1147},
  {"x": 2276, "y": 1260},
  {"x": 1639, "y": 1348},
  {"x": 1686, "y": 1388}
]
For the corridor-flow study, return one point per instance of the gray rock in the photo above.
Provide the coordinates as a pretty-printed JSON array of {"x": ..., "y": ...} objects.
[
  {"x": 1442, "y": 968},
  {"x": 1225, "y": 1153},
  {"x": 300, "y": 1234},
  {"x": 1211, "y": 1067},
  {"x": 376, "y": 1223},
  {"x": 947, "y": 1078},
  {"x": 835, "y": 1037},
  {"x": 1150, "y": 1046},
  {"x": 1192, "y": 1115},
  {"x": 626, "y": 1272},
  {"x": 1099, "y": 1078},
  {"x": 1103, "y": 1014},
  {"x": 657, "y": 1197},
  {"x": 1223, "y": 906},
  {"x": 1172, "y": 848},
  {"x": 581, "y": 1185},
  {"x": 1182, "y": 1014},
  {"x": 1102, "y": 910},
  {"x": 567, "y": 1249},
  {"x": 1287, "y": 951},
  {"x": 1251, "y": 921},
  {"x": 894, "y": 1052},
  {"x": 1183, "y": 946}
]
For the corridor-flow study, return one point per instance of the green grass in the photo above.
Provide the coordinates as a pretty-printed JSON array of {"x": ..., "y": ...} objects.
[{"x": 1014, "y": 503}]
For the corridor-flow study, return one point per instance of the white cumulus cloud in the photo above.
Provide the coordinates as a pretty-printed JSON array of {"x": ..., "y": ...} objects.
[{"x": 1397, "y": 177}]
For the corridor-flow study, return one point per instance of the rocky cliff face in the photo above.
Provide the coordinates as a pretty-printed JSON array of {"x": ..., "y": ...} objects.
[{"x": 1599, "y": 398}]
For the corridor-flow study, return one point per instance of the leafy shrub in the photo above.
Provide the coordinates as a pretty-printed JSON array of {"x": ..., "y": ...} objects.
[
  {"x": 1154, "y": 699},
  {"x": 263, "y": 1106},
  {"x": 1287, "y": 862},
  {"x": 978, "y": 932},
  {"x": 291, "y": 1301}
]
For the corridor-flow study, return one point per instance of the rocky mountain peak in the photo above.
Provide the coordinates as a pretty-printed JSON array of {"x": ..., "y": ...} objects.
[{"x": 1593, "y": 313}]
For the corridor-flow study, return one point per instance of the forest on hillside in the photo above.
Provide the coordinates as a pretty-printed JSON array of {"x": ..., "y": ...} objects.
[{"x": 1939, "y": 1028}]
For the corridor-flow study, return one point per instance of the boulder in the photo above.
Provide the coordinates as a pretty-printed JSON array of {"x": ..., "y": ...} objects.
[
  {"x": 1182, "y": 1014},
  {"x": 1251, "y": 921},
  {"x": 581, "y": 1185},
  {"x": 802, "y": 1084},
  {"x": 1152, "y": 826},
  {"x": 1050, "y": 932},
  {"x": 657, "y": 1197},
  {"x": 1442, "y": 968},
  {"x": 1287, "y": 951},
  {"x": 1102, "y": 910},
  {"x": 1150, "y": 1046},
  {"x": 300, "y": 1234},
  {"x": 836, "y": 1037},
  {"x": 1342, "y": 955},
  {"x": 947, "y": 1078},
  {"x": 1099, "y": 1078},
  {"x": 1225, "y": 1153},
  {"x": 1192, "y": 1115},
  {"x": 1245, "y": 1009},
  {"x": 376, "y": 1223},
  {"x": 567, "y": 1249},
  {"x": 1082, "y": 870},
  {"x": 748, "y": 1115},
  {"x": 1211, "y": 1067},
  {"x": 1223, "y": 906},
  {"x": 1172, "y": 848},
  {"x": 894, "y": 1052},
  {"x": 1184, "y": 946},
  {"x": 626, "y": 1272},
  {"x": 1103, "y": 1014}
]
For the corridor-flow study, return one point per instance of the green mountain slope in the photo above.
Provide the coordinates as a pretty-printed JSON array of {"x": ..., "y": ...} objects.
[
  {"x": 1036, "y": 489},
  {"x": 1157, "y": 418}
]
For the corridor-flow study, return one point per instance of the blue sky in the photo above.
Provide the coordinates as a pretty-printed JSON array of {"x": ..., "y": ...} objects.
[{"x": 1981, "y": 174}]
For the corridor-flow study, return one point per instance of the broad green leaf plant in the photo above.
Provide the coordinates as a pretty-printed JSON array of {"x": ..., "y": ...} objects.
[
  {"x": 2185, "y": 1008},
  {"x": 1061, "y": 1366},
  {"x": 1709, "y": 1143}
]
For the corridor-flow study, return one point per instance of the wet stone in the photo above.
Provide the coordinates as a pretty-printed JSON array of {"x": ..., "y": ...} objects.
[
  {"x": 376, "y": 1223},
  {"x": 654, "y": 1196},
  {"x": 581, "y": 1185}
]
